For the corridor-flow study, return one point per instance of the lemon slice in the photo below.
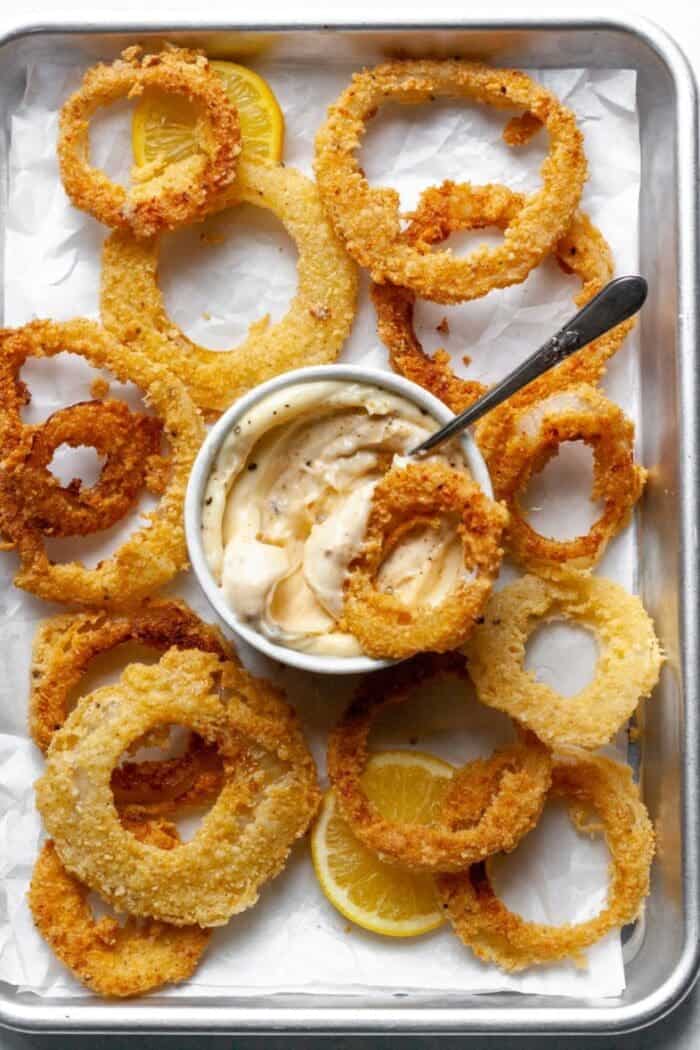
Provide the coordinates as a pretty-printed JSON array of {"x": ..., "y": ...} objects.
[
  {"x": 383, "y": 898},
  {"x": 163, "y": 126}
]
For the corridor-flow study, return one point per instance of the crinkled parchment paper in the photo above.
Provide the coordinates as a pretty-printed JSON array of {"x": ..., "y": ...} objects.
[{"x": 215, "y": 286}]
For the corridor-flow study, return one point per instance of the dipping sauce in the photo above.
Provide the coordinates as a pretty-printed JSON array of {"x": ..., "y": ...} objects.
[{"x": 286, "y": 506}]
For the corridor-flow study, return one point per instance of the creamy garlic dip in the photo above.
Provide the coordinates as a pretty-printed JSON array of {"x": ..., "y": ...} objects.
[{"x": 286, "y": 506}]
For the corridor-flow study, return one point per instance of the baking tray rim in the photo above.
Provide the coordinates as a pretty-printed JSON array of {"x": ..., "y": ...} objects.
[{"x": 80, "y": 1016}]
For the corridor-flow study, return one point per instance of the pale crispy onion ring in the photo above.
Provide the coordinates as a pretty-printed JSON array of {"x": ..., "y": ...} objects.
[
  {"x": 519, "y": 777},
  {"x": 65, "y": 646},
  {"x": 162, "y": 199},
  {"x": 113, "y": 959},
  {"x": 628, "y": 664},
  {"x": 152, "y": 555},
  {"x": 579, "y": 413},
  {"x": 367, "y": 219},
  {"x": 269, "y": 793},
  {"x": 130, "y": 443},
  {"x": 312, "y": 331},
  {"x": 446, "y": 209},
  {"x": 500, "y": 936},
  {"x": 422, "y": 494}
]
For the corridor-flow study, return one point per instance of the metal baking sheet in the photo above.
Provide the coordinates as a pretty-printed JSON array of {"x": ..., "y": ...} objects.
[{"x": 665, "y": 962}]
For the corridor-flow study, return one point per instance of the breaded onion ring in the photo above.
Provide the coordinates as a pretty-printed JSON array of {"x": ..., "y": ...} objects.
[
  {"x": 152, "y": 555},
  {"x": 446, "y": 209},
  {"x": 580, "y": 413},
  {"x": 627, "y": 669},
  {"x": 367, "y": 219},
  {"x": 422, "y": 494},
  {"x": 269, "y": 794},
  {"x": 113, "y": 959},
  {"x": 65, "y": 646},
  {"x": 394, "y": 307},
  {"x": 129, "y": 441},
  {"x": 161, "y": 199},
  {"x": 312, "y": 331},
  {"x": 499, "y": 936},
  {"x": 518, "y": 780}
]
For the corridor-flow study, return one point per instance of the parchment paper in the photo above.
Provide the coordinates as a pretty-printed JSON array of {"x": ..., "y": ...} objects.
[{"x": 293, "y": 940}]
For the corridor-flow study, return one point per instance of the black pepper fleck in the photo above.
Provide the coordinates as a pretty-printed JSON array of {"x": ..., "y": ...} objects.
[{"x": 252, "y": 466}]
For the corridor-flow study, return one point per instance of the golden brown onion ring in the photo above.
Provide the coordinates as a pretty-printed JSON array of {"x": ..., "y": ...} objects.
[
  {"x": 152, "y": 555},
  {"x": 580, "y": 413},
  {"x": 130, "y": 443},
  {"x": 269, "y": 794},
  {"x": 113, "y": 959},
  {"x": 312, "y": 331},
  {"x": 499, "y": 936},
  {"x": 394, "y": 307},
  {"x": 446, "y": 209},
  {"x": 512, "y": 787},
  {"x": 161, "y": 199},
  {"x": 627, "y": 669},
  {"x": 65, "y": 646},
  {"x": 422, "y": 494},
  {"x": 367, "y": 219}
]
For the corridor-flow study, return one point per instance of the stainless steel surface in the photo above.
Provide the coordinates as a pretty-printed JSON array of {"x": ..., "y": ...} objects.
[
  {"x": 615, "y": 303},
  {"x": 666, "y": 962}
]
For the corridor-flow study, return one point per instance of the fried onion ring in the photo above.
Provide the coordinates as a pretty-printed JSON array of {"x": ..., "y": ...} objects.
[
  {"x": 580, "y": 413},
  {"x": 394, "y": 308},
  {"x": 163, "y": 199},
  {"x": 627, "y": 670},
  {"x": 518, "y": 780},
  {"x": 312, "y": 331},
  {"x": 112, "y": 959},
  {"x": 129, "y": 441},
  {"x": 152, "y": 555},
  {"x": 269, "y": 795},
  {"x": 446, "y": 209},
  {"x": 422, "y": 494},
  {"x": 65, "y": 646},
  {"x": 367, "y": 219},
  {"x": 500, "y": 936}
]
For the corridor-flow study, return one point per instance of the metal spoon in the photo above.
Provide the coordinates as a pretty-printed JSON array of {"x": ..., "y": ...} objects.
[{"x": 614, "y": 303}]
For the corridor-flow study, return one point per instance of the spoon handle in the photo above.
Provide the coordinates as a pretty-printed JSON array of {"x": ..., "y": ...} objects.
[{"x": 613, "y": 304}]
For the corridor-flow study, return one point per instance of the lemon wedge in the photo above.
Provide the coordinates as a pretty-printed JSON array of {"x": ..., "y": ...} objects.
[
  {"x": 163, "y": 125},
  {"x": 383, "y": 898}
]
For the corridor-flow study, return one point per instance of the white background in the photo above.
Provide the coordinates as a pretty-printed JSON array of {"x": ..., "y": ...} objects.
[{"x": 682, "y": 20}]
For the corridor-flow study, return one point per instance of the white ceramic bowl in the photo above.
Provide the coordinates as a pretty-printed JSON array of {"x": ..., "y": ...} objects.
[{"x": 205, "y": 461}]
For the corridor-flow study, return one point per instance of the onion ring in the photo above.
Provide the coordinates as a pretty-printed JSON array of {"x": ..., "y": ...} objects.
[
  {"x": 269, "y": 796},
  {"x": 519, "y": 778},
  {"x": 422, "y": 493},
  {"x": 312, "y": 331},
  {"x": 130, "y": 442},
  {"x": 112, "y": 959},
  {"x": 497, "y": 935},
  {"x": 367, "y": 219},
  {"x": 65, "y": 646},
  {"x": 628, "y": 664},
  {"x": 394, "y": 308},
  {"x": 161, "y": 200},
  {"x": 580, "y": 413},
  {"x": 152, "y": 555},
  {"x": 446, "y": 209}
]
